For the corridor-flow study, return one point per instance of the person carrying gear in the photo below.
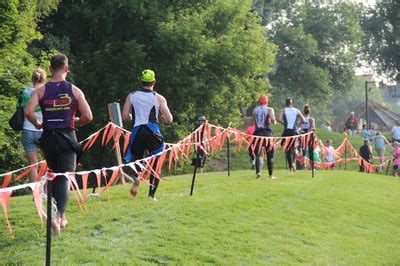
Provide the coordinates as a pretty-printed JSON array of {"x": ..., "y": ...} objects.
[{"x": 143, "y": 107}]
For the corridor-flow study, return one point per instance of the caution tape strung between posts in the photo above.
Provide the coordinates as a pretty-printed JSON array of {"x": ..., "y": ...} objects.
[{"x": 214, "y": 138}]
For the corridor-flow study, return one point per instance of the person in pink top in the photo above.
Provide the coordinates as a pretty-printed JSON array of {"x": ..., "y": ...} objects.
[
  {"x": 396, "y": 158},
  {"x": 250, "y": 130}
]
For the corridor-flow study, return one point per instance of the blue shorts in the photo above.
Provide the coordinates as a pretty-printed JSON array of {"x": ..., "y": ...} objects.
[{"x": 30, "y": 140}]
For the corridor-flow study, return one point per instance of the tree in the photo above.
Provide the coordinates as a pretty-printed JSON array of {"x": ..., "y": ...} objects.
[
  {"x": 18, "y": 20},
  {"x": 381, "y": 42},
  {"x": 296, "y": 74},
  {"x": 317, "y": 50},
  {"x": 220, "y": 58},
  {"x": 209, "y": 56}
]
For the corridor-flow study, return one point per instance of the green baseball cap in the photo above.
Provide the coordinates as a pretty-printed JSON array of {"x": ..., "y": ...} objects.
[{"x": 148, "y": 76}]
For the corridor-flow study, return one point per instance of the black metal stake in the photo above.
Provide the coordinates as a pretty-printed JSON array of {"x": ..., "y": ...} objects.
[
  {"x": 197, "y": 159},
  {"x": 48, "y": 226},
  {"x": 195, "y": 171},
  {"x": 387, "y": 169},
  {"x": 229, "y": 157}
]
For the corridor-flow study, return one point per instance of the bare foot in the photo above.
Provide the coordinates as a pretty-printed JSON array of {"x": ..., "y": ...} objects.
[
  {"x": 55, "y": 226},
  {"x": 134, "y": 189},
  {"x": 64, "y": 221}
]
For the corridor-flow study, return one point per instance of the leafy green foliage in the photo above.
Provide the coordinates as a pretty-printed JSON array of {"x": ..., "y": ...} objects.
[
  {"x": 381, "y": 43},
  {"x": 297, "y": 75},
  {"x": 18, "y": 20},
  {"x": 208, "y": 57},
  {"x": 317, "y": 48}
]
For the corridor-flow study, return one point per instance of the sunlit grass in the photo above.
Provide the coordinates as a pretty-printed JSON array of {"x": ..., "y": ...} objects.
[{"x": 337, "y": 217}]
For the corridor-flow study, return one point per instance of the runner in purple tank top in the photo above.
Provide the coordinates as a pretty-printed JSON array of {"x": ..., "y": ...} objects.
[
  {"x": 58, "y": 105},
  {"x": 59, "y": 100}
]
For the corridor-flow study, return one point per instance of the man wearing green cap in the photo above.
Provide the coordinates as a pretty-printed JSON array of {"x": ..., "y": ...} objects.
[{"x": 143, "y": 107}]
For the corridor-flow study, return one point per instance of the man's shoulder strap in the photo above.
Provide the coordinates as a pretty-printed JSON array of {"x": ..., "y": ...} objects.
[{"x": 147, "y": 91}]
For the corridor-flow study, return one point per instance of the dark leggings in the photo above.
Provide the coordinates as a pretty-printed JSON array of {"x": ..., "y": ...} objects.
[
  {"x": 146, "y": 141},
  {"x": 290, "y": 151},
  {"x": 258, "y": 151},
  {"x": 251, "y": 154},
  {"x": 60, "y": 157}
]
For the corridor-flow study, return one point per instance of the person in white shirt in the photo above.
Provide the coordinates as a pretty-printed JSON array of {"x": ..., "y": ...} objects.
[
  {"x": 288, "y": 117},
  {"x": 327, "y": 126},
  {"x": 396, "y": 132}
]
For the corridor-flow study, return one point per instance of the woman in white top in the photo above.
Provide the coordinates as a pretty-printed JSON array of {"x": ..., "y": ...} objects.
[
  {"x": 309, "y": 123},
  {"x": 30, "y": 134}
]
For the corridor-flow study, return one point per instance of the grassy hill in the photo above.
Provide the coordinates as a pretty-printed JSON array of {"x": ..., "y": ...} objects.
[{"x": 337, "y": 217}]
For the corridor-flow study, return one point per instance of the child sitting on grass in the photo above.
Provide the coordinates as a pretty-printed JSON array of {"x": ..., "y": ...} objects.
[{"x": 329, "y": 158}]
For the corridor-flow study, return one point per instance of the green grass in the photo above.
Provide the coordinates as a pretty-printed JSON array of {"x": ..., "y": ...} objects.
[{"x": 337, "y": 217}]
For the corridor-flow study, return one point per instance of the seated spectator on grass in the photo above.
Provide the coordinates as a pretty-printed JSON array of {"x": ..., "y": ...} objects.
[{"x": 329, "y": 158}]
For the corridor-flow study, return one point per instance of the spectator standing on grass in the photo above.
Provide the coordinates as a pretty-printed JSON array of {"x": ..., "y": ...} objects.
[
  {"x": 365, "y": 132},
  {"x": 30, "y": 134},
  {"x": 396, "y": 132},
  {"x": 351, "y": 124},
  {"x": 371, "y": 133},
  {"x": 379, "y": 143}
]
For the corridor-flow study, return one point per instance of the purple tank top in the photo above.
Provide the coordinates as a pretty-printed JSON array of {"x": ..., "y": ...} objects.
[{"x": 58, "y": 105}]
